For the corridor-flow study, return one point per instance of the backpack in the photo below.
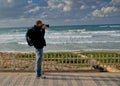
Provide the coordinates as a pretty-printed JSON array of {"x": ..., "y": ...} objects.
[{"x": 28, "y": 39}]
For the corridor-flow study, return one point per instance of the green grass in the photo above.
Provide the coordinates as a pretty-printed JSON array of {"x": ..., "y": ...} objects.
[
  {"x": 60, "y": 57},
  {"x": 71, "y": 58},
  {"x": 105, "y": 57},
  {"x": 101, "y": 54}
]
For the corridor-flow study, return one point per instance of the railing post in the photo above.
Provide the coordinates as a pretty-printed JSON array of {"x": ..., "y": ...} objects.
[{"x": 14, "y": 62}]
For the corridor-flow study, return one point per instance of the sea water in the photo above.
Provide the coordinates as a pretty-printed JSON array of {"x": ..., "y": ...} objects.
[{"x": 65, "y": 38}]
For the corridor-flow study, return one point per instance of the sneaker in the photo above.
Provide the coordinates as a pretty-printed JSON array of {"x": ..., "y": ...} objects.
[{"x": 41, "y": 77}]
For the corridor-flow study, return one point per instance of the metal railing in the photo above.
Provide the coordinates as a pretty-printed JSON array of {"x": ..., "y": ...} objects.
[{"x": 68, "y": 61}]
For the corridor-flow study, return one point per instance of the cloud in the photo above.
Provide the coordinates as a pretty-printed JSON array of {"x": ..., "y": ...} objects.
[
  {"x": 29, "y": 1},
  {"x": 68, "y": 5},
  {"x": 37, "y": 8},
  {"x": 83, "y": 7},
  {"x": 105, "y": 11},
  {"x": 10, "y": 1},
  {"x": 115, "y": 2},
  {"x": 66, "y": 8},
  {"x": 55, "y": 4},
  {"x": 17, "y": 22},
  {"x": 15, "y": 9},
  {"x": 12, "y": 8},
  {"x": 58, "y": 11},
  {"x": 109, "y": 10},
  {"x": 93, "y": 7},
  {"x": 62, "y": 5}
]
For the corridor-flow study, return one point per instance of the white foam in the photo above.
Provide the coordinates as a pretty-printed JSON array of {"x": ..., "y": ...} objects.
[
  {"x": 62, "y": 36},
  {"x": 99, "y": 32},
  {"x": 110, "y": 26},
  {"x": 83, "y": 42},
  {"x": 101, "y": 49},
  {"x": 114, "y": 26},
  {"x": 22, "y": 43},
  {"x": 115, "y": 35},
  {"x": 77, "y": 30},
  {"x": 67, "y": 32},
  {"x": 103, "y": 26}
]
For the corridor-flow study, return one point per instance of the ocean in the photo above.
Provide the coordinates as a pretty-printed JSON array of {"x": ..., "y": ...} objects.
[{"x": 65, "y": 38}]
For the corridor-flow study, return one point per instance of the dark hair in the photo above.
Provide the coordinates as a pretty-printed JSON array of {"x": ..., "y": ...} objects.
[{"x": 38, "y": 22}]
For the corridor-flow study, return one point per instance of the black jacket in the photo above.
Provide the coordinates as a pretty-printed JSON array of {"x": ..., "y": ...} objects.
[{"x": 36, "y": 35}]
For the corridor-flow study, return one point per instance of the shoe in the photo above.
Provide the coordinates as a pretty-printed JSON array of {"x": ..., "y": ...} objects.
[{"x": 41, "y": 77}]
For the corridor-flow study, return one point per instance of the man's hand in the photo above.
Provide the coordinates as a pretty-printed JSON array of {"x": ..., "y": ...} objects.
[{"x": 44, "y": 27}]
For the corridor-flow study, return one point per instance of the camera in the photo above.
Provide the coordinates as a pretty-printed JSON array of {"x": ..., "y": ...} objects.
[{"x": 47, "y": 25}]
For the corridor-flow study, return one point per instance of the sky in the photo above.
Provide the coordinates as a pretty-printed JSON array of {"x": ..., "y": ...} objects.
[{"x": 20, "y": 13}]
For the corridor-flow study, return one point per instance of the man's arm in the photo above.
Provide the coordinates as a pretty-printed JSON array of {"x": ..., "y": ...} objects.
[{"x": 44, "y": 26}]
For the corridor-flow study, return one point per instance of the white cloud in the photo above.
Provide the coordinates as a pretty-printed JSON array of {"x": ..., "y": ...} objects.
[
  {"x": 83, "y": 7},
  {"x": 68, "y": 5},
  {"x": 105, "y": 11},
  {"x": 37, "y": 8},
  {"x": 17, "y": 22},
  {"x": 68, "y": 2},
  {"x": 66, "y": 8},
  {"x": 115, "y": 1},
  {"x": 10, "y": 1},
  {"x": 30, "y": 1},
  {"x": 55, "y": 4},
  {"x": 43, "y": 15},
  {"x": 64, "y": 5},
  {"x": 58, "y": 10},
  {"x": 93, "y": 7},
  {"x": 97, "y": 13}
]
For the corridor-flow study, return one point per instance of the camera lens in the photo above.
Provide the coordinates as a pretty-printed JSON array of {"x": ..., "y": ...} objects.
[{"x": 47, "y": 25}]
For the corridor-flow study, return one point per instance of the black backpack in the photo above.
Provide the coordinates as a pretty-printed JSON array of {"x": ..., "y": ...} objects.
[{"x": 28, "y": 39}]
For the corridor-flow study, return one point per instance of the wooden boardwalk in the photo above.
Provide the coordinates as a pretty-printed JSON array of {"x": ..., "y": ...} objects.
[{"x": 60, "y": 79}]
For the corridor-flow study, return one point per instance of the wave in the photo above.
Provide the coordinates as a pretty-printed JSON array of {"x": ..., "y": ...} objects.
[
  {"x": 114, "y": 35},
  {"x": 68, "y": 36},
  {"x": 110, "y": 26},
  {"x": 103, "y": 26},
  {"x": 100, "y": 32},
  {"x": 65, "y": 32},
  {"x": 22, "y": 43},
  {"x": 114, "y": 26},
  {"x": 85, "y": 42},
  {"x": 101, "y": 50},
  {"x": 12, "y": 36},
  {"x": 78, "y": 30},
  {"x": 80, "y": 50}
]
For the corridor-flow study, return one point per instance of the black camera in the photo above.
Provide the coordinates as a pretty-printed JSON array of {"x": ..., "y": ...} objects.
[{"x": 47, "y": 25}]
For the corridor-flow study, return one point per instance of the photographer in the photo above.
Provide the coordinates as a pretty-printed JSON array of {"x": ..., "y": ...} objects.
[{"x": 35, "y": 37}]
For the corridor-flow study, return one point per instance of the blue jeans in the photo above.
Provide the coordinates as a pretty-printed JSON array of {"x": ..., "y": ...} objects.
[{"x": 39, "y": 57}]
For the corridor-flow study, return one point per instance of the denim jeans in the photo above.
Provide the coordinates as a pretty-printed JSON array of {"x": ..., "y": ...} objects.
[{"x": 39, "y": 57}]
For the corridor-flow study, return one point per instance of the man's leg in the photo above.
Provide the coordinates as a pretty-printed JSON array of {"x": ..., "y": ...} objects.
[{"x": 39, "y": 57}]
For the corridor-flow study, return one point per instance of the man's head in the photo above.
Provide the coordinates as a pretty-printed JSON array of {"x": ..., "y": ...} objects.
[{"x": 39, "y": 23}]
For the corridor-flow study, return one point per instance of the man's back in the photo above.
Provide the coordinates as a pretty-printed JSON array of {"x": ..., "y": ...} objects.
[{"x": 36, "y": 36}]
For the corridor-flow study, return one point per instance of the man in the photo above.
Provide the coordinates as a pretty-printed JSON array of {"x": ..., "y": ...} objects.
[{"x": 35, "y": 37}]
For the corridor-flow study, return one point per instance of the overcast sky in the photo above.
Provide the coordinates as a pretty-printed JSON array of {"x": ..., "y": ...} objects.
[{"x": 59, "y": 12}]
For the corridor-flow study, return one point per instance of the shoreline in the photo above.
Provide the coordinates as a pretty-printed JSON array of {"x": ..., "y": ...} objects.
[{"x": 88, "y": 50}]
